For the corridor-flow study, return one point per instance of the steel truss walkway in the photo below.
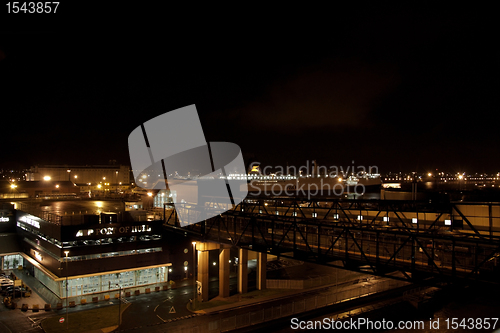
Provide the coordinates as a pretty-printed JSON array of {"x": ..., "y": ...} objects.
[{"x": 373, "y": 236}]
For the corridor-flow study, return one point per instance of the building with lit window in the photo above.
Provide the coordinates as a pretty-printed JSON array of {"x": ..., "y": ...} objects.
[
  {"x": 38, "y": 189},
  {"x": 95, "y": 253},
  {"x": 105, "y": 178}
]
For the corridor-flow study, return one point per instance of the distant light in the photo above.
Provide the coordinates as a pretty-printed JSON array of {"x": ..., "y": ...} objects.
[
  {"x": 57, "y": 186},
  {"x": 150, "y": 194},
  {"x": 429, "y": 174},
  {"x": 414, "y": 220},
  {"x": 447, "y": 222},
  {"x": 46, "y": 178},
  {"x": 13, "y": 185},
  {"x": 214, "y": 263},
  {"x": 386, "y": 218}
]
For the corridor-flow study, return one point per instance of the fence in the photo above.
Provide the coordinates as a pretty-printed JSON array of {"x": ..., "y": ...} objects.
[
  {"x": 224, "y": 322},
  {"x": 303, "y": 284}
]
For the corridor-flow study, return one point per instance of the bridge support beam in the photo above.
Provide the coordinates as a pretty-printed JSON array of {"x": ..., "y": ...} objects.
[
  {"x": 243, "y": 271},
  {"x": 203, "y": 258},
  {"x": 261, "y": 270},
  {"x": 224, "y": 272}
]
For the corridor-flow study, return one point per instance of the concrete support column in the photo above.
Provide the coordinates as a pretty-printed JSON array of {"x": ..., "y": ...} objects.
[
  {"x": 203, "y": 274},
  {"x": 224, "y": 273},
  {"x": 243, "y": 271},
  {"x": 261, "y": 270}
]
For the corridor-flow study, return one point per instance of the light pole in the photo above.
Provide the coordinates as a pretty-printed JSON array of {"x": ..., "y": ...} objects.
[
  {"x": 119, "y": 305},
  {"x": 194, "y": 271},
  {"x": 67, "y": 300}
]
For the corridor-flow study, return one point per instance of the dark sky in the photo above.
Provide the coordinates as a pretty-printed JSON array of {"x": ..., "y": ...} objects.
[{"x": 404, "y": 89}]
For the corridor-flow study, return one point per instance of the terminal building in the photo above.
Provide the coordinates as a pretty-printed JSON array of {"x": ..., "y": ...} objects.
[
  {"x": 105, "y": 178},
  {"x": 94, "y": 253}
]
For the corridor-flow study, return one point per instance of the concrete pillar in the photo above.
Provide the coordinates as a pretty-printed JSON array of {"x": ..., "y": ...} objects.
[
  {"x": 243, "y": 271},
  {"x": 261, "y": 270},
  {"x": 203, "y": 274},
  {"x": 224, "y": 273}
]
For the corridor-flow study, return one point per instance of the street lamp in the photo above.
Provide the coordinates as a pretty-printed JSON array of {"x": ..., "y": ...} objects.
[
  {"x": 67, "y": 300},
  {"x": 194, "y": 271}
]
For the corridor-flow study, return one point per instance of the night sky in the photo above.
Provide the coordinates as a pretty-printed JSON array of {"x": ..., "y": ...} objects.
[{"x": 404, "y": 89}]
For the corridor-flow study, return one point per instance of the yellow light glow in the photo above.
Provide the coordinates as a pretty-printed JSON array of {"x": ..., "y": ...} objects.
[
  {"x": 150, "y": 194},
  {"x": 99, "y": 186},
  {"x": 57, "y": 186},
  {"x": 13, "y": 185},
  {"x": 429, "y": 174},
  {"x": 340, "y": 179},
  {"x": 38, "y": 256},
  {"x": 460, "y": 177},
  {"x": 46, "y": 178}
]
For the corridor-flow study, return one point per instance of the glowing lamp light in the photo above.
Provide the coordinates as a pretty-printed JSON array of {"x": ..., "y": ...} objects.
[
  {"x": 38, "y": 256},
  {"x": 46, "y": 178},
  {"x": 447, "y": 222}
]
